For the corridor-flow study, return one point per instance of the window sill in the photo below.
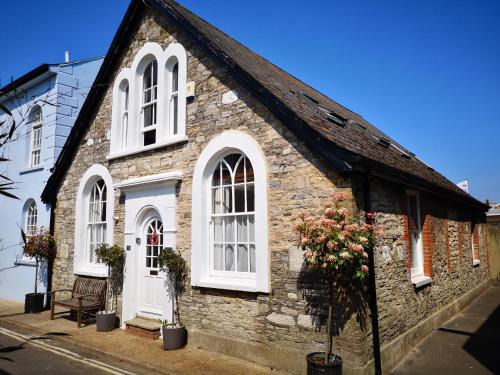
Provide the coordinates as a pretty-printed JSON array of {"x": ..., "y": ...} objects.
[
  {"x": 476, "y": 262},
  {"x": 169, "y": 142},
  {"x": 25, "y": 262},
  {"x": 420, "y": 281},
  {"x": 244, "y": 285},
  {"x": 94, "y": 272},
  {"x": 36, "y": 168}
]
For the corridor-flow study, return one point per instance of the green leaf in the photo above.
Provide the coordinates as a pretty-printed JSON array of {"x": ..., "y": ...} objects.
[{"x": 12, "y": 128}]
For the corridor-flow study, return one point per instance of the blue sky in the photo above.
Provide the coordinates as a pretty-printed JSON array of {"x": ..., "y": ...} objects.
[{"x": 425, "y": 72}]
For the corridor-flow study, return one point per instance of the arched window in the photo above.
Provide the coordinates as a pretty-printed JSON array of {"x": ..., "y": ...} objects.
[
  {"x": 232, "y": 219},
  {"x": 35, "y": 120},
  {"x": 124, "y": 91},
  {"x": 229, "y": 226},
  {"x": 149, "y": 103},
  {"x": 96, "y": 219},
  {"x": 174, "y": 97},
  {"x": 30, "y": 227},
  {"x": 154, "y": 243}
]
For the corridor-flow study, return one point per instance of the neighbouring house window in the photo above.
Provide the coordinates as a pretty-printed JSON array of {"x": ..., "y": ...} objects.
[
  {"x": 149, "y": 103},
  {"x": 96, "y": 224},
  {"x": 415, "y": 235},
  {"x": 124, "y": 115},
  {"x": 174, "y": 99},
  {"x": 31, "y": 219},
  {"x": 36, "y": 136},
  {"x": 232, "y": 215}
]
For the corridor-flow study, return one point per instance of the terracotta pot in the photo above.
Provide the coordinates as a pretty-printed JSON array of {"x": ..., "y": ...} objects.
[
  {"x": 174, "y": 337},
  {"x": 33, "y": 303},
  {"x": 315, "y": 365},
  {"x": 105, "y": 321}
]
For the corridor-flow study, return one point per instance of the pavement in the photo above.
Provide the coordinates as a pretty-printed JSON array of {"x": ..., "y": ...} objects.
[
  {"x": 117, "y": 351},
  {"x": 469, "y": 343}
]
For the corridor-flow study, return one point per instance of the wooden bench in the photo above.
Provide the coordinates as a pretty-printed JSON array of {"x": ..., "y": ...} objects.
[{"x": 87, "y": 295}]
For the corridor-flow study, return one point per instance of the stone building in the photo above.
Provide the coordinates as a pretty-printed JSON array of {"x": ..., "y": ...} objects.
[{"x": 188, "y": 139}]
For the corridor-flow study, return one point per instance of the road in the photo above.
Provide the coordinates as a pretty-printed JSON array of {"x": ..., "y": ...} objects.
[{"x": 21, "y": 355}]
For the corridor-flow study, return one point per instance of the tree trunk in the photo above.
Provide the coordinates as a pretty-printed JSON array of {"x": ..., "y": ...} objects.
[
  {"x": 36, "y": 275},
  {"x": 329, "y": 327},
  {"x": 108, "y": 288}
]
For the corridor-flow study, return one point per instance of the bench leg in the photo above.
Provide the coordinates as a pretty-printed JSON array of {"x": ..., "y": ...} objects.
[
  {"x": 52, "y": 309},
  {"x": 79, "y": 318}
]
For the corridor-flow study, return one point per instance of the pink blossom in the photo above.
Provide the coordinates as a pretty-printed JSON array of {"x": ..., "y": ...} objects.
[
  {"x": 364, "y": 268},
  {"x": 365, "y": 254},
  {"x": 344, "y": 255}
]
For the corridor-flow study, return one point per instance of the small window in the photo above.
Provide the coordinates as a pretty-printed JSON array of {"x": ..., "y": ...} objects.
[
  {"x": 149, "y": 103},
  {"x": 232, "y": 216},
  {"x": 35, "y": 120},
  {"x": 31, "y": 220},
  {"x": 124, "y": 115},
  {"x": 174, "y": 99},
  {"x": 415, "y": 236},
  {"x": 96, "y": 219}
]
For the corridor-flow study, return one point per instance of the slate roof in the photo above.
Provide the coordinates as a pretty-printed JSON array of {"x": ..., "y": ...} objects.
[{"x": 308, "y": 112}]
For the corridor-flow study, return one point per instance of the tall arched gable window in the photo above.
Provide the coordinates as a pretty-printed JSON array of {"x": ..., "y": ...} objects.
[
  {"x": 156, "y": 111},
  {"x": 94, "y": 219},
  {"x": 35, "y": 120},
  {"x": 31, "y": 219},
  {"x": 229, "y": 222}
]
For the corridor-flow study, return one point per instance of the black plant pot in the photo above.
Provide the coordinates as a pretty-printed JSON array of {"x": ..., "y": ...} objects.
[
  {"x": 316, "y": 365},
  {"x": 174, "y": 337},
  {"x": 33, "y": 303},
  {"x": 105, "y": 321}
]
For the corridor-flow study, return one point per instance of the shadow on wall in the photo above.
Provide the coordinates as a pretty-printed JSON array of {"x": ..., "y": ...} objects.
[
  {"x": 484, "y": 344},
  {"x": 350, "y": 299}
]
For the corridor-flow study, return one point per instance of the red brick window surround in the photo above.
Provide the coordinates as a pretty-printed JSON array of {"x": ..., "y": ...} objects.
[
  {"x": 420, "y": 243},
  {"x": 474, "y": 243}
]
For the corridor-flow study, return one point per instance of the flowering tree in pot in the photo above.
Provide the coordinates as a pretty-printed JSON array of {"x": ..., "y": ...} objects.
[
  {"x": 173, "y": 264},
  {"x": 334, "y": 243},
  {"x": 111, "y": 256},
  {"x": 41, "y": 247}
]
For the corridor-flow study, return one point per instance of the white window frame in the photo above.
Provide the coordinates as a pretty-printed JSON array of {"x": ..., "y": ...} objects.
[
  {"x": 82, "y": 264},
  {"x": 30, "y": 228},
  {"x": 91, "y": 226},
  {"x": 228, "y": 142},
  {"x": 36, "y": 138},
  {"x": 164, "y": 127},
  {"x": 153, "y": 103}
]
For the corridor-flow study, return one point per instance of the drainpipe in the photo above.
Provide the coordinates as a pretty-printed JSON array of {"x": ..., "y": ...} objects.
[
  {"x": 372, "y": 286},
  {"x": 51, "y": 264}
]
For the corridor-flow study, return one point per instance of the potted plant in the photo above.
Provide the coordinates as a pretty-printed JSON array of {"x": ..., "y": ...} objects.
[
  {"x": 334, "y": 243},
  {"x": 112, "y": 257},
  {"x": 173, "y": 264},
  {"x": 41, "y": 247}
]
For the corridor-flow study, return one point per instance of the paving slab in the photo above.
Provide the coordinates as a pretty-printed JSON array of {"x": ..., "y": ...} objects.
[
  {"x": 469, "y": 343},
  {"x": 139, "y": 351}
]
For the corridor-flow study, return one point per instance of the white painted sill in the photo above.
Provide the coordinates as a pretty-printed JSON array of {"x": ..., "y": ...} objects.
[
  {"x": 420, "y": 281},
  {"x": 476, "y": 262},
  {"x": 228, "y": 284},
  {"x": 94, "y": 272},
  {"x": 25, "y": 262},
  {"x": 35, "y": 168},
  {"x": 169, "y": 142}
]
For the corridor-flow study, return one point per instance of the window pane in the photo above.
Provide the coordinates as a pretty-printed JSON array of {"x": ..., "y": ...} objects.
[
  {"x": 148, "y": 262},
  {"x": 175, "y": 104},
  {"x": 232, "y": 160},
  {"x": 216, "y": 176},
  {"x": 218, "y": 229},
  {"x": 242, "y": 229},
  {"x": 228, "y": 200},
  {"x": 252, "y": 258},
  {"x": 216, "y": 200},
  {"x": 149, "y": 115},
  {"x": 148, "y": 250},
  {"x": 239, "y": 198},
  {"x": 250, "y": 198},
  {"x": 175, "y": 77},
  {"x": 249, "y": 171},
  {"x": 229, "y": 257},
  {"x": 218, "y": 257},
  {"x": 150, "y": 137},
  {"x": 155, "y": 262},
  {"x": 239, "y": 176},
  {"x": 251, "y": 228},
  {"x": 242, "y": 258},
  {"x": 226, "y": 175},
  {"x": 155, "y": 72},
  {"x": 229, "y": 229}
]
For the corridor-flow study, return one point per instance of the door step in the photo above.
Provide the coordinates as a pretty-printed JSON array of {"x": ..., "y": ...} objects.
[{"x": 144, "y": 327}]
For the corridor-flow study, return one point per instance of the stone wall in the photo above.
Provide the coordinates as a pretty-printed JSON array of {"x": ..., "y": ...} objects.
[
  {"x": 298, "y": 182},
  {"x": 400, "y": 305}
]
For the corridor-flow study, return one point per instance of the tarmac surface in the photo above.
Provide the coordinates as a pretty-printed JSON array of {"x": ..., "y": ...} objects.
[{"x": 469, "y": 343}]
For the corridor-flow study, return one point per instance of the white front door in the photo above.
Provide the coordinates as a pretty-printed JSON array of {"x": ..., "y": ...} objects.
[{"x": 151, "y": 283}]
